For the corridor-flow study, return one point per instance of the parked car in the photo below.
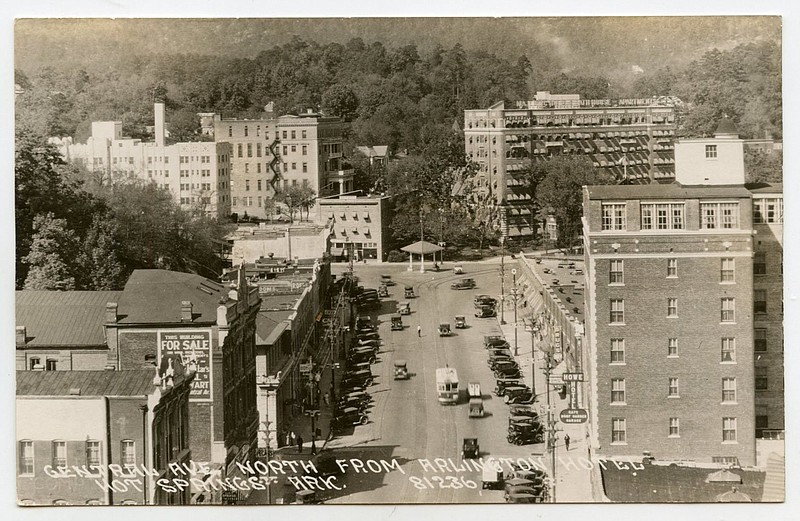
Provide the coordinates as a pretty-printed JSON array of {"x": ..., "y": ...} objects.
[
  {"x": 507, "y": 372},
  {"x": 521, "y": 398},
  {"x": 498, "y": 364},
  {"x": 485, "y": 312},
  {"x": 387, "y": 280},
  {"x": 368, "y": 335},
  {"x": 504, "y": 383},
  {"x": 493, "y": 340},
  {"x": 484, "y": 300}
]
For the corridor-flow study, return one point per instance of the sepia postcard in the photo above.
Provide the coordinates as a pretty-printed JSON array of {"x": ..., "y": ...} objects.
[{"x": 387, "y": 261}]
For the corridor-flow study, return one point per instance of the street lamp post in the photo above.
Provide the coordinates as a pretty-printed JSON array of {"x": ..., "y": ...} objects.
[
  {"x": 441, "y": 235},
  {"x": 534, "y": 330},
  {"x": 514, "y": 293},
  {"x": 422, "y": 249},
  {"x": 502, "y": 281}
]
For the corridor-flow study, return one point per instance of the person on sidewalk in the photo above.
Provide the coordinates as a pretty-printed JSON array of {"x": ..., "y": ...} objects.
[
  {"x": 300, "y": 444},
  {"x": 419, "y": 331},
  {"x": 326, "y": 398},
  {"x": 292, "y": 439},
  {"x": 566, "y": 441}
]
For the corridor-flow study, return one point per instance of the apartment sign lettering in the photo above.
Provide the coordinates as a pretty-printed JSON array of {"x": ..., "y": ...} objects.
[{"x": 183, "y": 346}]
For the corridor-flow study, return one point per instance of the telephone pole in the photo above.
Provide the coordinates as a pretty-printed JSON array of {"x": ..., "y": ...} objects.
[
  {"x": 502, "y": 280},
  {"x": 551, "y": 428}
]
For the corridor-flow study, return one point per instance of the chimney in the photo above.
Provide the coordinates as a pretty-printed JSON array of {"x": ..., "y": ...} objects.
[
  {"x": 186, "y": 311},
  {"x": 111, "y": 313},
  {"x": 22, "y": 336},
  {"x": 309, "y": 111},
  {"x": 159, "y": 126}
]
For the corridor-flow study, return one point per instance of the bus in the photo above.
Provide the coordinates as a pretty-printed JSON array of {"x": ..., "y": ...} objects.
[{"x": 447, "y": 385}]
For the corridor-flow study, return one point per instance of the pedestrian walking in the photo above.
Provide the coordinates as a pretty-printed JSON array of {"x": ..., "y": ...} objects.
[
  {"x": 292, "y": 439},
  {"x": 300, "y": 444},
  {"x": 566, "y": 441},
  {"x": 419, "y": 331},
  {"x": 326, "y": 398}
]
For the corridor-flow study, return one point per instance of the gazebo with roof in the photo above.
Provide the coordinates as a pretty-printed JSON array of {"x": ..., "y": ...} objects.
[{"x": 420, "y": 248}]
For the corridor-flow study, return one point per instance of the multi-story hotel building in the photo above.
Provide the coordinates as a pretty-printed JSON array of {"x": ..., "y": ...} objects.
[
  {"x": 274, "y": 153},
  {"x": 196, "y": 174},
  {"x": 631, "y": 138},
  {"x": 682, "y": 295}
]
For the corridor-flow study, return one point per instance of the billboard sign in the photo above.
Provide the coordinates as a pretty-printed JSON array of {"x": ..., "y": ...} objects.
[
  {"x": 574, "y": 416},
  {"x": 182, "y": 345}
]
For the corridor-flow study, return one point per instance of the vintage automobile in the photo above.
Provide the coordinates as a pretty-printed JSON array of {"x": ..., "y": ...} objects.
[
  {"x": 400, "y": 370},
  {"x": 368, "y": 335},
  {"x": 458, "y": 269},
  {"x": 526, "y": 398},
  {"x": 503, "y": 383},
  {"x": 366, "y": 329},
  {"x": 409, "y": 292},
  {"x": 444, "y": 329},
  {"x": 362, "y": 355},
  {"x": 358, "y": 378},
  {"x": 369, "y": 303},
  {"x": 461, "y": 322},
  {"x": 306, "y": 497},
  {"x": 397, "y": 322},
  {"x": 383, "y": 291},
  {"x": 357, "y": 366},
  {"x": 470, "y": 448},
  {"x": 484, "y": 300},
  {"x": 522, "y": 498},
  {"x": 522, "y": 434},
  {"x": 325, "y": 466},
  {"x": 485, "y": 312},
  {"x": 376, "y": 343},
  {"x": 349, "y": 416},
  {"x": 507, "y": 372},
  {"x": 494, "y": 340},
  {"x": 499, "y": 362},
  {"x": 356, "y": 399},
  {"x": 514, "y": 390},
  {"x": 463, "y": 284},
  {"x": 476, "y": 408},
  {"x": 404, "y": 308},
  {"x": 386, "y": 280},
  {"x": 363, "y": 321},
  {"x": 522, "y": 410}
]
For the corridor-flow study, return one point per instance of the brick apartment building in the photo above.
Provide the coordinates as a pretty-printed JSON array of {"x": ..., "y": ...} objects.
[
  {"x": 673, "y": 309},
  {"x": 183, "y": 316},
  {"x": 84, "y": 436},
  {"x": 273, "y": 153},
  {"x": 630, "y": 138}
]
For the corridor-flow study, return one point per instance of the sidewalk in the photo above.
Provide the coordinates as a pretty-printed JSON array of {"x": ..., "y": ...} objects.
[{"x": 574, "y": 483}]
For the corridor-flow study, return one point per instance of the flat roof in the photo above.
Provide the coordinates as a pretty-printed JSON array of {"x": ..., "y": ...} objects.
[{"x": 665, "y": 191}]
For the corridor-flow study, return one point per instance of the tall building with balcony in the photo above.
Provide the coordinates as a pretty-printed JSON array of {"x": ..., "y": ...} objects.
[
  {"x": 630, "y": 138},
  {"x": 683, "y": 309},
  {"x": 273, "y": 153},
  {"x": 196, "y": 174}
]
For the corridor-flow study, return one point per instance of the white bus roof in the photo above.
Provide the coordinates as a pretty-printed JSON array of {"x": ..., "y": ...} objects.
[{"x": 446, "y": 374}]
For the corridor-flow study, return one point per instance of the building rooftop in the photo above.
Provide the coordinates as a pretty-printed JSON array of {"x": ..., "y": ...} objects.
[
  {"x": 155, "y": 296},
  {"x": 374, "y": 151},
  {"x": 63, "y": 318},
  {"x": 664, "y": 191},
  {"x": 136, "y": 382},
  {"x": 765, "y": 188}
]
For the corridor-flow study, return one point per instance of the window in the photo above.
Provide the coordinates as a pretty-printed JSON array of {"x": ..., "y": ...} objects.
[
  {"x": 294, "y": 134},
  {"x": 617, "y": 390},
  {"x": 239, "y": 150},
  {"x": 729, "y": 390},
  {"x": 246, "y": 185},
  {"x": 92, "y": 452},
  {"x": 249, "y": 150},
  {"x": 767, "y": 211},
  {"x": 726, "y": 270},
  {"x": 719, "y": 215},
  {"x": 762, "y": 423},
  {"x": 673, "y": 388},
  {"x": 294, "y": 166},
  {"x": 760, "y": 301},
  {"x": 285, "y": 150},
  {"x": 294, "y": 148},
  {"x": 617, "y": 351},
  {"x": 247, "y": 168},
  {"x": 305, "y": 167},
  {"x": 618, "y": 431},
  {"x": 762, "y": 383},
  {"x": 711, "y": 151},
  {"x": 729, "y": 429},
  {"x": 305, "y": 150},
  {"x": 258, "y": 149},
  {"x": 728, "y": 353},
  {"x": 672, "y": 268},
  {"x": 26, "y": 458},
  {"x": 662, "y": 216},
  {"x": 286, "y": 167},
  {"x": 615, "y": 275},
  {"x": 259, "y": 186},
  {"x": 230, "y": 131},
  {"x": 59, "y": 454},
  {"x": 50, "y": 365},
  {"x": 259, "y": 201},
  {"x": 674, "y": 428},
  {"x": 34, "y": 361},
  {"x": 759, "y": 263},
  {"x": 760, "y": 340},
  {"x": 614, "y": 216},
  {"x": 728, "y": 309},
  {"x": 303, "y": 134},
  {"x": 285, "y": 134},
  {"x": 128, "y": 452},
  {"x": 258, "y": 168},
  {"x": 245, "y": 131},
  {"x": 672, "y": 347},
  {"x": 617, "y": 311},
  {"x": 672, "y": 307}
]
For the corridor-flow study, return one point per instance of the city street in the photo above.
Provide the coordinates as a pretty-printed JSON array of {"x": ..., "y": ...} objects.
[{"x": 407, "y": 422}]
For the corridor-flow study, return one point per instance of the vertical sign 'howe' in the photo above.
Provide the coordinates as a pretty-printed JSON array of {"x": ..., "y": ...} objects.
[{"x": 182, "y": 345}]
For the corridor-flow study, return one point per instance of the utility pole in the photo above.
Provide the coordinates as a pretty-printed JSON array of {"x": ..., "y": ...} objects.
[
  {"x": 422, "y": 248},
  {"x": 502, "y": 280},
  {"x": 551, "y": 429},
  {"x": 441, "y": 236}
]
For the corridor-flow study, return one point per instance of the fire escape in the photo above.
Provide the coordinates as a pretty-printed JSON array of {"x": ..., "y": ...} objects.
[{"x": 274, "y": 164}]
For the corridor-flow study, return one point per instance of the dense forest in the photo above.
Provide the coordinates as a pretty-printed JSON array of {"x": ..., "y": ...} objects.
[{"x": 73, "y": 235}]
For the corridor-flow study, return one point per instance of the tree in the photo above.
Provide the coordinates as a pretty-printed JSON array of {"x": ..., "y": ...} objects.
[
  {"x": 560, "y": 192},
  {"x": 763, "y": 167},
  {"x": 340, "y": 101},
  {"x": 52, "y": 245},
  {"x": 184, "y": 126},
  {"x": 100, "y": 267},
  {"x": 296, "y": 198}
]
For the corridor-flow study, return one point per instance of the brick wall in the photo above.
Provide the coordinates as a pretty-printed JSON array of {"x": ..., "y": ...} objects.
[{"x": 133, "y": 346}]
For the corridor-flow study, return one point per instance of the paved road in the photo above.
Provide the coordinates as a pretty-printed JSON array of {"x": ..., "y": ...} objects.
[{"x": 406, "y": 422}]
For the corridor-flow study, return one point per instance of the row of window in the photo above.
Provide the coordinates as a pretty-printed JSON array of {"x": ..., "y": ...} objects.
[
  {"x": 727, "y": 349},
  {"x": 303, "y": 133},
  {"x": 92, "y": 455},
  {"x": 294, "y": 167},
  {"x": 671, "y": 216},
  {"x": 727, "y": 307},
  {"x": 616, "y": 272},
  {"x": 619, "y": 397},
  {"x": 619, "y": 430}
]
